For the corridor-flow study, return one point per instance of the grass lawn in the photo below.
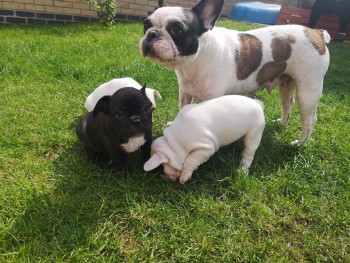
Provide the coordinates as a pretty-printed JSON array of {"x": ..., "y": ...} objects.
[{"x": 57, "y": 207}]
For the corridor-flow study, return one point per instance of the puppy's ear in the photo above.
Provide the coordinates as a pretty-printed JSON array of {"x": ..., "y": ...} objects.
[
  {"x": 156, "y": 160},
  {"x": 102, "y": 105},
  {"x": 143, "y": 89},
  {"x": 208, "y": 11},
  {"x": 151, "y": 93}
]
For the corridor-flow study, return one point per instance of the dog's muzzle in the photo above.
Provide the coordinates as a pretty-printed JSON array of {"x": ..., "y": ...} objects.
[
  {"x": 135, "y": 119},
  {"x": 151, "y": 36}
]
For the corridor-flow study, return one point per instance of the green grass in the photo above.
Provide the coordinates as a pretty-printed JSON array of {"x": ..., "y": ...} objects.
[{"x": 57, "y": 207}]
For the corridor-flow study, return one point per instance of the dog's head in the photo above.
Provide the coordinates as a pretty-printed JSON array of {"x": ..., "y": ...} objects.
[
  {"x": 164, "y": 160},
  {"x": 128, "y": 110},
  {"x": 172, "y": 33}
]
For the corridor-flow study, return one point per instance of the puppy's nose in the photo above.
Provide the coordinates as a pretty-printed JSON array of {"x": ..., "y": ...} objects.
[
  {"x": 135, "y": 119},
  {"x": 153, "y": 34}
]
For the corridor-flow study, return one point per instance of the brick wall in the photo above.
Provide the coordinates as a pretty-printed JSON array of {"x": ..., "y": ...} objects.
[
  {"x": 68, "y": 11},
  {"x": 45, "y": 11}
]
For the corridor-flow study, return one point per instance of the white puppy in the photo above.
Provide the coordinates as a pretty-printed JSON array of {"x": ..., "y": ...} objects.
[
  {"x": 199, "y": 130},
  {"x": 109, "y": 88},
  {"x": 211, "y": 61}
]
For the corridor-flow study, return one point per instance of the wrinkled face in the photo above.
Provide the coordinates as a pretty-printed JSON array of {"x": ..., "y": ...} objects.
[
  {"x": 128, "y": 112},
  {"x": 131, "y": 112},
  {"x": 171, "y": 35}
]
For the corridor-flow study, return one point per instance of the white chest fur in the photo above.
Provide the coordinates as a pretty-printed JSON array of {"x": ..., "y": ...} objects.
[{"x": 133, "y": 144}]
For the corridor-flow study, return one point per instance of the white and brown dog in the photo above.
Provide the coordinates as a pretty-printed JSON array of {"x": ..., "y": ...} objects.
[
  {"x": 199, "y": 130},
  {"x": 210, "y": 61}
]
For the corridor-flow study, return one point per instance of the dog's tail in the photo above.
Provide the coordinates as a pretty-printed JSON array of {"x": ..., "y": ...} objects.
[
  {"x": 260, "y": 103},
  {"x": 325, "y": 36}
]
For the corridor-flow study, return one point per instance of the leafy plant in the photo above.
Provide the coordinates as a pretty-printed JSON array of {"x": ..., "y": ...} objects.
[{"x": 105, "y": 10}]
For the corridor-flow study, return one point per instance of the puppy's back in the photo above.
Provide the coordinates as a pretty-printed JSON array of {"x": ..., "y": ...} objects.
[{"x": 221, "y": 120}]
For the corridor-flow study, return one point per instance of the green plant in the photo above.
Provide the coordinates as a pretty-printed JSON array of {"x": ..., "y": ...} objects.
[{"x": 105, "y": 10}]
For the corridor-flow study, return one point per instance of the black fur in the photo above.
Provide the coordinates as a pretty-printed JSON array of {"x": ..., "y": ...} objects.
[
  {"x": 340, "y": 7},
  {"x": 115, "y": 119}
]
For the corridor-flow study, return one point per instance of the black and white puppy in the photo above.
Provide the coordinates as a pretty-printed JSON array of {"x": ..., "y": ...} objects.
[
  {"x": 118, "y": 125},
  {"x": 210, "y": 61}
]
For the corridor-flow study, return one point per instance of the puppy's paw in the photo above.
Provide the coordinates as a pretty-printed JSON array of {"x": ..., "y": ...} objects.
[
  {"x": 118, "y": 167},
  {"x": 185, "y": 176},
  {"x": 183, "y": 180}
]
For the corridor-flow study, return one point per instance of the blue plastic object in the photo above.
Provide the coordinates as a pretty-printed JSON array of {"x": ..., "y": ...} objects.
[{"x": 255, "y": 12}]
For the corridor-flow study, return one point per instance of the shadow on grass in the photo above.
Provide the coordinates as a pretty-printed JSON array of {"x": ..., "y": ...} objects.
[{"x": 85, "y": 198}]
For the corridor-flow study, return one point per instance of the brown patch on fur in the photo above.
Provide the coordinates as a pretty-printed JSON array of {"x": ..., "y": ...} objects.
[
  {"x": 270, "y": 71},
  {"x": 285, "y": 80},
  {"x": 281, "y": 48},
  {"x": 249, "y": 56},
  {"x": 316, "y": 39}
]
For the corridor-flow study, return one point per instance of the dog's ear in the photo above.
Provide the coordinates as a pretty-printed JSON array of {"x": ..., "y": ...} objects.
[
  {"x": 208, "y": 11},
  {"x": 161, "y": 3},
  {"x": 102, "y": 105},
  {"x": 156, "y": 160},
  {"x": 143, "y": 89}
]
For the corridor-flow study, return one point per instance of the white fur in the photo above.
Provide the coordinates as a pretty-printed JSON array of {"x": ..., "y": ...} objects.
[
  {"x": 199, "y": 130},
  {"x": 109, "y": 88},
  {"x": 212, "y": 71},
  {"x": 133, "y": 144}
]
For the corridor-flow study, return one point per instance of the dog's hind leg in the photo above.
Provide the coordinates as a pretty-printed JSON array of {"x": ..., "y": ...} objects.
[
  {"x": 286, "y": 89},
  {"x": 308, "y": 95},
  {"x": 251, "y": 143}
]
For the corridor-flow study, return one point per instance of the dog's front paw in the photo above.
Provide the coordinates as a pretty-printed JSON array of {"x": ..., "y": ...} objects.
[
  {"x": 298, "y": 143},
  {"x": 118, "y": 167},
  {"x": 243, "y": 169},
  {"x": 281, "y": 121},
  {"x": 185, "y": 176}
]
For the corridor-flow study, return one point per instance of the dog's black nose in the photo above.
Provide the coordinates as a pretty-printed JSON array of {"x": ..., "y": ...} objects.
[
  {"x": 135, "y": 119},
  {"x": 153, "y": 34}
]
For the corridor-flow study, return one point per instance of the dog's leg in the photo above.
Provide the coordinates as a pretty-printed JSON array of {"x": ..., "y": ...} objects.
[
  {"x": 308, "y": 96},
  {"x": 184, "y": 99},
  {"x": 286, "y": 88},
  {"x": 193, "y": 160},
  {"x": 119, "y": 159},
  {"x": 251, "y": 143},
  {"x": 146, "y": 149}
]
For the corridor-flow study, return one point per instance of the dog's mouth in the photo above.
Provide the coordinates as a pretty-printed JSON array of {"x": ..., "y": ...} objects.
[
  {"x": 159, "y": 50},
  {"x": 146, "y": 49}
]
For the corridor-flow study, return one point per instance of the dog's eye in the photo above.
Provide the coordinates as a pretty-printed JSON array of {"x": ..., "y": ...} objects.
[
  {"x": 146, "y": 108},
  {"x": 119, "y": 113},
  {"x": 146, "y": 25},
  {"x": 175, "y": 30}
]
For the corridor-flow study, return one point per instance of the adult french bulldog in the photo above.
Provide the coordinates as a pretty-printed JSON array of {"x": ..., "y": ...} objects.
[
  {"x": 119, "y": 124},
  {"x": 199, "y": 130},
  {"x": 210, "y": 61},
  {"x": 110, "y": 87}
]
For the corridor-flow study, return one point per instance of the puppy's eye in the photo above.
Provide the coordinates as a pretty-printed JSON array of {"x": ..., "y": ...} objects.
[
  {"x": 175, "y": 30},
  {"x": 119, "y": 114},
  {"x": 146, "y": 108}
]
